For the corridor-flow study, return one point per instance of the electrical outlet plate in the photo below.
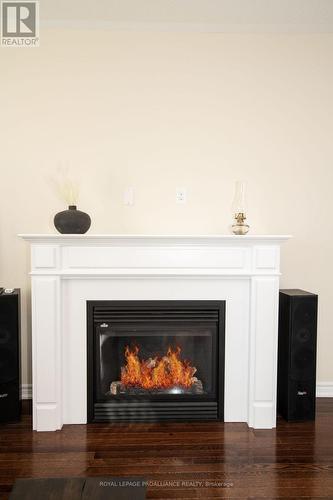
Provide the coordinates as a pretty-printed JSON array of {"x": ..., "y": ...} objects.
[{"x": 181, "y": 195}]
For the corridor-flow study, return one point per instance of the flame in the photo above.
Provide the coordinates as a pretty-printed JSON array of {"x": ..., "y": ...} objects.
[{"x": 157, "y": 373}]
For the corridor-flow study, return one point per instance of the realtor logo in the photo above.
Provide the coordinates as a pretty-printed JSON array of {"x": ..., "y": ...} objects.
[{"x": 20, "y": 24}]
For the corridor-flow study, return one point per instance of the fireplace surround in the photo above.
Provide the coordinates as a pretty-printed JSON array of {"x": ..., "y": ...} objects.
[
  {"x": 155, "y": 360},
  {"x": 67, "y": 271}
]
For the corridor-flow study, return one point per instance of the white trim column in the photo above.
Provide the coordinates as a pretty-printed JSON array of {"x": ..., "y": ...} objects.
[
  {"x": 263, "y": 352},
  {"x": 46, "y": 344}
]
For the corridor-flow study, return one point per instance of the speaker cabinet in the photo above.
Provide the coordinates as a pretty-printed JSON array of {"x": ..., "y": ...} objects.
[
  {"x": 297, "y": 355},
  {"x": 10, "y": 405}
]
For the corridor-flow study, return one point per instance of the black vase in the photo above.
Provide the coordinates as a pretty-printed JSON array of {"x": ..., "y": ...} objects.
[{"x": 72, "y": 221}]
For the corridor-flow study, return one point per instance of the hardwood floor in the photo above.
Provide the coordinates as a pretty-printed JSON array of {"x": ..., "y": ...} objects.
[{"x": 293, "y": 461}]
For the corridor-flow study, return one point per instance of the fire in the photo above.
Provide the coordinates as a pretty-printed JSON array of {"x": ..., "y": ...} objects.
[{"x": 157, "y": 373}]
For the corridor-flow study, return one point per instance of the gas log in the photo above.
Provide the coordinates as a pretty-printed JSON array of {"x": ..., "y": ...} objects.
[{"x": 117, "y": 388}]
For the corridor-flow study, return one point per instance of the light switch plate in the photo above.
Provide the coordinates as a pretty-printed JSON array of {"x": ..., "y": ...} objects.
[{"x": 129, "y": 196}]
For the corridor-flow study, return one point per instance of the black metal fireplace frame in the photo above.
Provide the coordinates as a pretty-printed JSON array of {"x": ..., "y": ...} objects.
[{"x": 192, "y": 413}]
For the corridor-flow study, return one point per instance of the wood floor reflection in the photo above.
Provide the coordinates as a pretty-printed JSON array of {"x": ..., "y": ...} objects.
[{"x": 181, "y": 460}]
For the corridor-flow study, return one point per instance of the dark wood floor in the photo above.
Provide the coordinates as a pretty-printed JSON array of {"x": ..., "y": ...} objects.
[{"x": 293, "y": 461}]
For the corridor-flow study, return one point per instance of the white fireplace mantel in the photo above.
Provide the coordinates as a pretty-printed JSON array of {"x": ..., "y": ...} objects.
[{"x": 68, "y": 270}]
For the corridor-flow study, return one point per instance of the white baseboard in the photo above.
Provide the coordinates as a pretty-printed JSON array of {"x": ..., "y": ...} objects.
[
  {"x": 324, "y": 390},
  {"x": 26, "y": 391}
]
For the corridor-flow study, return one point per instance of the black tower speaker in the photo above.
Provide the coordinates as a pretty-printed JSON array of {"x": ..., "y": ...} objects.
[
  {"x": 10, "y": 406},
  {"x": 297, "y": 355}
]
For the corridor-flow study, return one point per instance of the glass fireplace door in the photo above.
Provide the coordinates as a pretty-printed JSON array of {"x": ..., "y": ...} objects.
[{"x": 152, "y": 360}]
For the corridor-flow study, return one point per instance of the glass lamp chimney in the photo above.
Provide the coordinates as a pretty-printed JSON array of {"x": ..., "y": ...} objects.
[{"x": 239, "y": 204}]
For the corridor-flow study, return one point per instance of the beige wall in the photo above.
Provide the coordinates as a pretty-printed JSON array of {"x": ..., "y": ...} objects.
[{"x": 157, "y": 111}]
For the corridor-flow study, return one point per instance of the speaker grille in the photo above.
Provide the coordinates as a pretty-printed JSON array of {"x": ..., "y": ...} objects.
[{"x": 302, "y": 357}]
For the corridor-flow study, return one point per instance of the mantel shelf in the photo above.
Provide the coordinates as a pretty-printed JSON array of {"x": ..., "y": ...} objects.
[{"x": 141, "y": 239}]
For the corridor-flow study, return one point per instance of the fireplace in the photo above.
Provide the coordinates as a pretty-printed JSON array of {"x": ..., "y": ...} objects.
[
  {"x": 155, "y": 360},
  {"x": 69, "y": 270}
]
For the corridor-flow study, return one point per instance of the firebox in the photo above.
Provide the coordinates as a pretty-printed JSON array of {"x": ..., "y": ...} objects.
[{"x": 155, "y": 360}]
